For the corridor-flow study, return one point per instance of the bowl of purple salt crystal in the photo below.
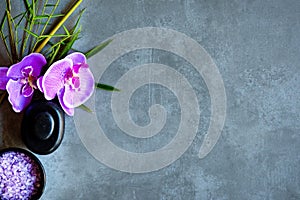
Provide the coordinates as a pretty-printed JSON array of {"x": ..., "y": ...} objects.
[{"x": 22, "y": 175}]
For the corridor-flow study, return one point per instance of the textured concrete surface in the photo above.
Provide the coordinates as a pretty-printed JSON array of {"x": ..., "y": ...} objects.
[{"x": 255, "y": 45}]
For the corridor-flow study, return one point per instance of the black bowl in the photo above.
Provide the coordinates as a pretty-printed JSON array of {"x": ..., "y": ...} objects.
[
  {"x": 16, "y": 163},
  {"x": 43, "y": 127}
]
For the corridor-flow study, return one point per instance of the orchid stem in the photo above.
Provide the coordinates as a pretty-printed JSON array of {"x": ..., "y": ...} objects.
[{"x": 42, "y": 45}]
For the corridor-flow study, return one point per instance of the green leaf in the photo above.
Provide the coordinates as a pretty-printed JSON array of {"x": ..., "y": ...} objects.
[
  {"x": 32, "y": 33},
  {"x": 67, "y": 42},
  {"x": 53, "y": 36},
  {"x": 3, "y": 38},
  {"x": 78, "y": 20},
  {"x": 66, "y": 30},
  {"x": 84, "y": 107},
  {"x": 29, "y": 25},
  {"x": 11, "y": 35},
  {"x": 42, "y": 23},
  {"x": 69, "y": 45},
  {"x": 3, "y": 20},
  {"x": 58, "y": 25},
  {"x": 38, "y": 17},
  {"x": 19, "y": 15},
  {"x": 46, "y": 24},
  {"x": 96, "y": 49},
  {"x": 22, "y": 16},
  {"x": 50, "y": 5},
  {"x": 27, "y": 4},
  {"x": 106, "y": 87},
  {"x": 54, "y": 55}
]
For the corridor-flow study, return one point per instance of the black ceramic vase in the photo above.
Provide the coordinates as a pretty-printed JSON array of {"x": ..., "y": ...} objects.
[{"x": 43, "y": 127}]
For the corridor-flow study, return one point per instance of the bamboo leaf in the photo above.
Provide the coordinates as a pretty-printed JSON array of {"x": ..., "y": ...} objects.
[
  {"x": 106, "y": 87},
  {"x": 27, "y": 4},
  {"x": 69, "y": 45},
  {"x": 29, "y": 26},
  {"x": 39, "y": 17},
  {"x": 11, "y": 35},
  {"x": 85, "y": 108},
  {"x": 53, "y": 36},
  {"x": 96, "y": 49},
  {"x": 19, "y": 15},
  {"x": 42, "y": 23},
  {"x": 3, "y": 38},
  {"x": 75, "y": 35},
  {"x": 61, "y": 22},
  {"x": 54, "y": 55},
  {"x": 51, "y": 13},
  {"x": 56, "y": 44},
  {"x": 32, "y": 33},
  {"x": 78, "y": 20},
  {"x": 21, "y": 19},
  {"x": 50, "y": 5},
  {"x": 33, "y": 8},
  {"x": 3, "y": 20},
  {"x": 66, "y": 30}
]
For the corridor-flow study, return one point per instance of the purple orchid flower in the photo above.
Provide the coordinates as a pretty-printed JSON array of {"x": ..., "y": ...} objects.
[
  {"x": 71, "y": 80},
  {"x": 22, "y": 80},
  {"x": 3, "y": 78}
]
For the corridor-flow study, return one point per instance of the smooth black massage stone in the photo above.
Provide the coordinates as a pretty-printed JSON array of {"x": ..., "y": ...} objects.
[{"x": 43, "y": 127}]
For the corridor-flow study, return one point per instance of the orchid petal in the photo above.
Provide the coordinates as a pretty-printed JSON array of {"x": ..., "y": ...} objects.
[
  {"x": 54, "y": 78},
  {"x": 78, "y": 66},
  {"x": 17, "y": 100},
  {"x": 77, "y": 58},
  {"x": 39, "y": 83},
  {"x": 27, "y": 90},
  {"x": 73, "y": 98},
  {"x": 27, "y": 71},
  {"x": 36, "y": 60},
  {"x": 69, "y": 111},
  {"x": 76, "y": 82},
  {"x": 3, "y": 78}
]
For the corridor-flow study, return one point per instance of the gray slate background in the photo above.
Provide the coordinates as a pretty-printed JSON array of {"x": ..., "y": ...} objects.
[{"x": 255, "y": 45}]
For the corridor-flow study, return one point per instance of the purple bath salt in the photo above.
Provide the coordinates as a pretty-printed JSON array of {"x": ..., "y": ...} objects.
[{"x": 20, "y": 176}]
